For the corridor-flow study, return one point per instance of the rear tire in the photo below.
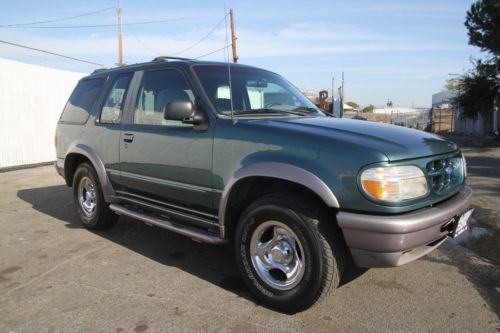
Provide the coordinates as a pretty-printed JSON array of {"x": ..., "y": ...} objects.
[
  {"x": 289, "y": 251},
  {"x": 93, "y": 211}
]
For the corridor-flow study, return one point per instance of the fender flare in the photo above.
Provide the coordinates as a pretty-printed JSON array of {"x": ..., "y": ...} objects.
[
  {"x": 283, "y": 171},
  {"x": 98, "y": 165}
]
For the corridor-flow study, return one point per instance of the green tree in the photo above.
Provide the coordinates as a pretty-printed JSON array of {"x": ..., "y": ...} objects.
[
  {"x": 369, "y": 108},
  {"x": 482, "y": 25},
  {"x": 452, "y": 84},
  {"x": 478, "y": 88},
  {"x": 353, "y": 105}
]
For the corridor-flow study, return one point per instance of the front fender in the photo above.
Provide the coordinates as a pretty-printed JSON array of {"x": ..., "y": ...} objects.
[{"x": 277, "y": 170}]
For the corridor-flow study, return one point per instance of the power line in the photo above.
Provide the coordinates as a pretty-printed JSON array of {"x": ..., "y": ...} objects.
[
  {"x": 56, "y": 20},
  {"x": 140, "y": 41},
  {"x": 202, "y": 38},
  {"x": 186, "y": 49},
  {"x": 110, "y": 25},
  {"x": 212, "y": 52},
  {"x": 49, "y": 52}
]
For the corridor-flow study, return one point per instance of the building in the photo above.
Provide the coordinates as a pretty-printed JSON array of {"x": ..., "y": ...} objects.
[
  {"x": 442, "y": 99},
  {"x": 337, "y": 108}
]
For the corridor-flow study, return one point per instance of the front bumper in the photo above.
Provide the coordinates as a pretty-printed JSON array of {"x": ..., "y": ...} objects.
[{"x": 394, "y": 240}]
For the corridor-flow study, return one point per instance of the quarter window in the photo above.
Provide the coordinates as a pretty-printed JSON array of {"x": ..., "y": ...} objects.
[
  {"x": 158, "y": 88},
  {"x": 81, "y": 101},
  {"x": 111, "y": 112}
]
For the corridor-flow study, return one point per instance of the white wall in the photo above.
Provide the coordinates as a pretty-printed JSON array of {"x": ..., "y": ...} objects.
[
  {"x": 31, "y": 101},
  {"x": 467, "y": 126}
]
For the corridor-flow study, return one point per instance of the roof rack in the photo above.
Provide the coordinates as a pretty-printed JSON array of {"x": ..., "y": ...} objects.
[
  {"x": 165, "y": 58},
  {"x": 99, "y": 70}
]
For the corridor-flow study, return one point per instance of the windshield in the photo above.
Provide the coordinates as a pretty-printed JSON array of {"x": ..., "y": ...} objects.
[{"x": 254, "y": 92}]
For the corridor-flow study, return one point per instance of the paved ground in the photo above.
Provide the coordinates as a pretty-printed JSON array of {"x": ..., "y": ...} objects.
[{"x": 57, "y": 277}]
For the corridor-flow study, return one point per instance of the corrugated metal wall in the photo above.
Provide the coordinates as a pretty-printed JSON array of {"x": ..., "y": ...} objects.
[
  {"x": 31, "y": 101},
  {"x": 468, "y": 126}
]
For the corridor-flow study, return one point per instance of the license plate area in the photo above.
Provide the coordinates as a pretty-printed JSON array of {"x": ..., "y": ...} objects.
[{"x": 461, "y": 223}]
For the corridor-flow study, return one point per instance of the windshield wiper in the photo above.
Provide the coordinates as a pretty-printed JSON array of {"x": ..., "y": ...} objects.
[
  {"x": 270, "y": 111},
  {"x": 305, "y": 109}
]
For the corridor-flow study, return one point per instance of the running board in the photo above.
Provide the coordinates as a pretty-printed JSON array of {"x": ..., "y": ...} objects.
[{"x": 195, "y": 234}]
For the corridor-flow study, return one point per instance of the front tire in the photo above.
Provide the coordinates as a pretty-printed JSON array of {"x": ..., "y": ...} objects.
[
  {"x": 93, "y": 211},
  {"x": 289, "y": 251}
]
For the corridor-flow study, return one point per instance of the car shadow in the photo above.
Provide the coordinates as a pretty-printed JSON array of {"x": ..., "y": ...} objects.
[
  {"x": 213, "y": 263},
  {"x": 209, "y": 262}
]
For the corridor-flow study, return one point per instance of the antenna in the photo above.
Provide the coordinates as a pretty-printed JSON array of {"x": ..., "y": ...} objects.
[{"x": 228, "y": 66}]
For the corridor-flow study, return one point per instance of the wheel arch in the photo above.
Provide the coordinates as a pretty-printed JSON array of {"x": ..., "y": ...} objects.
[
  {"x": 79, "y": 153},
  {"x": 281, "y": 172}
]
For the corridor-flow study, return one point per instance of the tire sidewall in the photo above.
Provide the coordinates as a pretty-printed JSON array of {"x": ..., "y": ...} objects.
[
  {"x": 84, "y": 170},
  {"x": 310, "y": 283}
]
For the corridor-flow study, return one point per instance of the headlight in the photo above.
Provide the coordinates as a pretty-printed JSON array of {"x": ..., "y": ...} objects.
[{"x": 394, "y": 183}]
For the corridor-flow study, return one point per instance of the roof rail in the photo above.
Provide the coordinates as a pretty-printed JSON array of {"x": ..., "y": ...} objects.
[
  {"x": 165, "y": 58},
  {"x": 99, "y": 70}
]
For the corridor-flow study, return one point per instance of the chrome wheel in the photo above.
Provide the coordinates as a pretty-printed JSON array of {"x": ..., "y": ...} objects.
[
  {"x": 277, "y": 255},
  {"x": 87, "y": 196}
]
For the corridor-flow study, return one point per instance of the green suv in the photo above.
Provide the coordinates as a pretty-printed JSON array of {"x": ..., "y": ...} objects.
[{"x": 230, "y": 153}]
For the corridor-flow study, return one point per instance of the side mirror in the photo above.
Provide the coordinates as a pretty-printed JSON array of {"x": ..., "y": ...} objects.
[
  {"x": 178, "y": 110},
  {"x": 185, "y": 112}
]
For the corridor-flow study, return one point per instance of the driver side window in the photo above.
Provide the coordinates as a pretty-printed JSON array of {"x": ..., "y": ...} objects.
[{"x": 158, "y": 88}]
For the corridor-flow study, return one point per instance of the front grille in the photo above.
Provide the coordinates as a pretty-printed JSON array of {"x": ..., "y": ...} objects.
[{"x": 445, "y": 174}]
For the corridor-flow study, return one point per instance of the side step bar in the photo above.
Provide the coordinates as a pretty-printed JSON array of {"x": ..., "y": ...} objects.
[
  {"x": 197, "y": 235},
  {"x": 203, "y": 223}
]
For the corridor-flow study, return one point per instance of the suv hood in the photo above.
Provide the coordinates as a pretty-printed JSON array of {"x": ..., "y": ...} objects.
[{"x": 397, "y": 143}]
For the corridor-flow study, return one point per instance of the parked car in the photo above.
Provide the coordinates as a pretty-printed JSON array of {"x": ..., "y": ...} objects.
[{"x": 231, "y": 153}]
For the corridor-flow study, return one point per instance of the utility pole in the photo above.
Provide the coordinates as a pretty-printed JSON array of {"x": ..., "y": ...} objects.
[
  {"x": 233, "y": 37},
  {"x": 333, "y": 95},
  {"x": 342, "y": 98},
  {"x": 120, "y": 43},
  {"x": 342, "y": 87}
]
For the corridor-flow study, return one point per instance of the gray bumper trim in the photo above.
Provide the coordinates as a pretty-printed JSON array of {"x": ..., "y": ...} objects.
[
  {"x": 381, "y": 241},
  {"x": 364, "y": 258}
]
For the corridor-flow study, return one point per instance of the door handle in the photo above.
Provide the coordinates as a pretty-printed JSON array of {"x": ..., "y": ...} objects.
[{"x": 128, "y": 137}]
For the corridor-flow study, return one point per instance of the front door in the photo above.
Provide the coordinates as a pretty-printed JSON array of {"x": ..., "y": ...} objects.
[{"x": 162, "y": 161}]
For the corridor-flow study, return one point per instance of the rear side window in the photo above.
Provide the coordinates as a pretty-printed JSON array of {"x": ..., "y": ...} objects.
[
  {"x": 111, "y": 112},
  {"x": 81, "y": 101}
]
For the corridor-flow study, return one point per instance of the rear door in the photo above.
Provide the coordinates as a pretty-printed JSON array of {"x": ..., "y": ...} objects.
[
  {"x": 106, "y": 136},
  {"x": 165, "y": 162}
]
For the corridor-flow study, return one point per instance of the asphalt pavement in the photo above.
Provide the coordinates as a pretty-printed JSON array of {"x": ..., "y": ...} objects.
[{"x": 56, "y": 276}]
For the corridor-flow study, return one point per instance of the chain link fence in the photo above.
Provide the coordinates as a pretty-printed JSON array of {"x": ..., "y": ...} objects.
[{"x": 419, "y": 119}]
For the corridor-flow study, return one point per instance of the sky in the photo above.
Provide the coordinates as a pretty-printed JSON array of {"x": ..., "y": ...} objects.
[{"x": 403, "y": 51}]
